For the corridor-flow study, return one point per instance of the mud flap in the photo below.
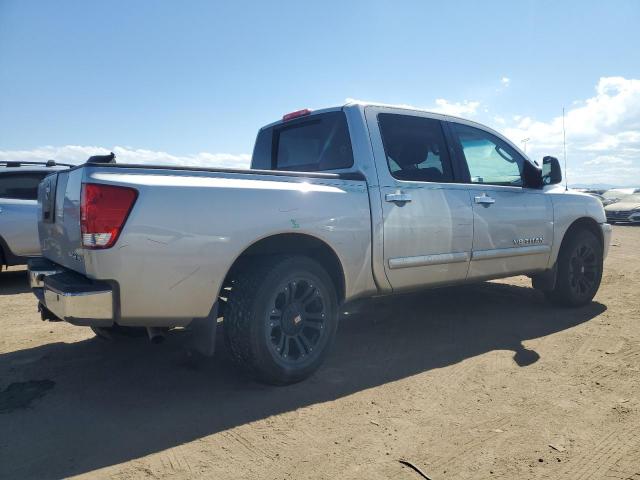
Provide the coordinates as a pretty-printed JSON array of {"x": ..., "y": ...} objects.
[
  {"x": 203, "y": 333},
  {"x": 545, "y": 281}
]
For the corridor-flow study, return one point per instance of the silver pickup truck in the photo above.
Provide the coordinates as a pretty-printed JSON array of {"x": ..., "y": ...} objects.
[
  {"x": 340, "y": 204},
  {"x": 18, "y": 209}
]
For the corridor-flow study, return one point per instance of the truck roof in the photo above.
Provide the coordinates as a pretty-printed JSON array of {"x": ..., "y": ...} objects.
[{"x": 364, "y": 104}]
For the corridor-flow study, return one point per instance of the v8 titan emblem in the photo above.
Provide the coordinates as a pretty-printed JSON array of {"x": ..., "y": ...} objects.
[{"x": 528, "y": 241}]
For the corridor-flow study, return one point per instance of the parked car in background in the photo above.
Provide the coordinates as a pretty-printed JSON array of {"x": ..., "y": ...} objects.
[
  {"x": 340, "y": 204},
  {"x": 616, "y": 194},
  {"x": 626, "y": 210},
  {"x": 18, "y": 209}
]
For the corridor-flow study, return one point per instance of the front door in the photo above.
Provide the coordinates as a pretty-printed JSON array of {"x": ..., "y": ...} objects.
[
  {"x": 513, "y": 224},
  {"x": 427, "y": 219}
]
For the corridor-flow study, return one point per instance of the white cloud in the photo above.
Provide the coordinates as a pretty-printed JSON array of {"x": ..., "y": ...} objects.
[
  {"x": 78, "y": 154},
  {"x": 459, "y": 109},
  {"x": 441, "y": 105},
  {"x": 602, "y": 134},
  {"x": 505, "y": 81},
  {"x": 608, "y": 160}
]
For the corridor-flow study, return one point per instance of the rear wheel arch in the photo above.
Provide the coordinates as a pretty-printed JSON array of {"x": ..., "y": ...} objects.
[{"x": 291, "y": 244}]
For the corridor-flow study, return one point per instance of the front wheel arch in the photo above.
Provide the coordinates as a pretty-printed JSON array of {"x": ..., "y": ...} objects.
[
  {"x": 546, "y": 280},
  {"x": 587, "y": 223}
]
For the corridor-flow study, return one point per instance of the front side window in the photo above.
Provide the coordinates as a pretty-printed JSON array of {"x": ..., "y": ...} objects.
[
  {"x": 489, "y": 159},
  {"x": 415, "y": 148},
  {"x": 317, "y": 143},
  {"x": 20, "y": 186}
]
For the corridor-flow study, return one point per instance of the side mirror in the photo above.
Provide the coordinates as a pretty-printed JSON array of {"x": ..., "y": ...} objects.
[{"x": 551, "y": 172}]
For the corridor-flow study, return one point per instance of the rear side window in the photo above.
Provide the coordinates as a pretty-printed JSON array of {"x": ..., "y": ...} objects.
[
  {"x": 415, "y": 148},
  {"x": 21, "y": 185},
  {"x": 317, "y": 143}
]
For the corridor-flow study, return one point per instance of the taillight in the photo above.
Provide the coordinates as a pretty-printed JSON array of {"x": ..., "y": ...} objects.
[{"x": 103, "y": 211}]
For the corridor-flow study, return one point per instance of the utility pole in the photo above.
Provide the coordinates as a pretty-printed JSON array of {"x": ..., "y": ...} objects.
[{"x": 524, "y": 143}]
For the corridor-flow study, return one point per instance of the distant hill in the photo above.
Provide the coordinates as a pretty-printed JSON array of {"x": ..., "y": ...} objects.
[{"x": 596, "y": 186}]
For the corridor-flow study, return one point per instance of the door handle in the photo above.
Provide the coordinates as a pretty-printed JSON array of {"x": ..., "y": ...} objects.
[
  {"x": 397, "y": 197},
  {"x": 485, "y": 200}
]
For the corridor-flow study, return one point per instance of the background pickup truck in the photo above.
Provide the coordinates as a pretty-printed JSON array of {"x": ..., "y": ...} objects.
[
  {"x": 18, "y": 209},
  {"x": 342, "y": 203}
]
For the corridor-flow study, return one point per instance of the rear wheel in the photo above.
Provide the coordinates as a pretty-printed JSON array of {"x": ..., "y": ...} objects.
[
  {"x": 579, "y": 270},
  {"x": 281, "y": 319}
]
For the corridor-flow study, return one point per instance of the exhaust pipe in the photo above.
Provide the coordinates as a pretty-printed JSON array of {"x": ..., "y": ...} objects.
[{"x": 156, "y": 335}]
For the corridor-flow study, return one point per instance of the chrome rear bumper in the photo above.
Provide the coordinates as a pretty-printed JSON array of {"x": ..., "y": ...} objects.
[
  {"x": 70, "y": 296},
  {"x": 39, "y": 268}
]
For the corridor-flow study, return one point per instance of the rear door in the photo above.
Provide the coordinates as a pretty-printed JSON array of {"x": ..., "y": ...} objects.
[
  {"x": 427, "y": 219},
  {"x": 513, "y": 224},
  {"x": 18, "y": 211}
]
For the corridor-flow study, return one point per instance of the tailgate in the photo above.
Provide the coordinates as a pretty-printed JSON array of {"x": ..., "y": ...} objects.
[{"x": 59, "y": 218}]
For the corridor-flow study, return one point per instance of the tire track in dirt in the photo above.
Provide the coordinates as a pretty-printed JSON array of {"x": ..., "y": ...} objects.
[
  {"x": 607, "y": 453},
  {"x": 488, "y": 430}
]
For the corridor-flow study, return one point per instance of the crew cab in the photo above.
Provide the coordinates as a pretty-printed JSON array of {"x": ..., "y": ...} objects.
[
  {"x": 18, "y": 209},
  {"x": 340, "y": 204}
]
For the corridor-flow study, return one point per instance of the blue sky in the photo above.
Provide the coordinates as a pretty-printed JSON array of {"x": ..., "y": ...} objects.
[{"x": 199, "y": 78}]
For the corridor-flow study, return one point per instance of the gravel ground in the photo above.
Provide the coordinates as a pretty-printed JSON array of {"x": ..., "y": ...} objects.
[{"x": 484, "y": 381}]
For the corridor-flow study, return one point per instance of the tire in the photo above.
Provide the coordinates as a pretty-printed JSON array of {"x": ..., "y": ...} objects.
[
  {"x": 281, "y": 319},
  {"x": 579, "y": 270}
]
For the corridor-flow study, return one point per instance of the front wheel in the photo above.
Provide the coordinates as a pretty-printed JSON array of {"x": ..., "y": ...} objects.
[
  {"x": 579, "y": 270},
  {"x": 281, "y": 318}
]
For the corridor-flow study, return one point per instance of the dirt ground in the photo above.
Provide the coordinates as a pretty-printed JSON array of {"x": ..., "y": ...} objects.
[{"x": 485, "y": 381}]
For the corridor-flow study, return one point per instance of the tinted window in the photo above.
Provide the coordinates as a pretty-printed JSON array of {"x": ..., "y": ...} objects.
[
  {"x": 22, "y": 186},
  {"x": 489, "y": 159},
  {"x": 261, "y": 158},
  {"x": 320, "y": 142},
  {"x": 415, "y": 148}
]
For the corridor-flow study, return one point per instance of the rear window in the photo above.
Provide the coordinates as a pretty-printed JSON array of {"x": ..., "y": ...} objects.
[
  {"x": 316, "y": 143},
  {"x": 20, "y": 185}
]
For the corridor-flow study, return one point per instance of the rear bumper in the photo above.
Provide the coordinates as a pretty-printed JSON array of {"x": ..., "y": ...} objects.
[
  {"x": 39, "y": 268},
  {"x": 606, "y": 237},
  {"x": 71, "y": 297}
]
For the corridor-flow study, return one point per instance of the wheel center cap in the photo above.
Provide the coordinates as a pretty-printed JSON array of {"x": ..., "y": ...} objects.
[{"x": 292, "y": 319}]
